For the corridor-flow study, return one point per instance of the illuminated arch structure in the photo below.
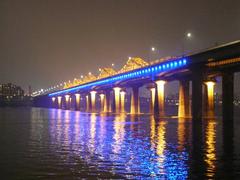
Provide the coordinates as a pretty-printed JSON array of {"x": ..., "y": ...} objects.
[{"x": 217, "y": 61}]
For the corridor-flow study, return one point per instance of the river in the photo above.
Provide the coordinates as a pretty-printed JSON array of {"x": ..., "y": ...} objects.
[{"x": 38, "y": 143}]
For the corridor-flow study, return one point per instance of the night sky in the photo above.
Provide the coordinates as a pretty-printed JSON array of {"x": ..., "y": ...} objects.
[{"x": 45, "y": 42}]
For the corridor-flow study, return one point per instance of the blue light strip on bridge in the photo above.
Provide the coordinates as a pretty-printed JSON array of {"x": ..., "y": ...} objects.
[{"x": 141, "y": 72}]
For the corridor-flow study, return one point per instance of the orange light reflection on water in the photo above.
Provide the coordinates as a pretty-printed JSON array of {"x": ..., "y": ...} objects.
[{"x": 210, "y": 155}]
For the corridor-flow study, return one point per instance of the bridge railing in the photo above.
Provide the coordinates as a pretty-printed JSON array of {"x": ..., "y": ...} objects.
[{"x": 150, "y": 70}]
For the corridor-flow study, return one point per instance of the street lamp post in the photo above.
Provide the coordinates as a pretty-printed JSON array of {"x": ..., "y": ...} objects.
[
  {"x": 153, "y": 51},
  {"x": 186, "y": 37}
]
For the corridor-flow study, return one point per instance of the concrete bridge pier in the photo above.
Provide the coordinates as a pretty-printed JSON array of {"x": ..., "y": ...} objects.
[
  {"x": 122, "y": 101},
  {"x": 183, "y": 107},
  {"x": 54, "y": 102},
  {"x": 67, "y": 101},
  {"x": 116, "y": 99},
  {"x": 209, "y": 98},
  {"x": 102, "y": 100},
  {"x": 77, "y": 101},
  {"x": 59, "y": 102},
  {"x": 93, "y": 101},
  {"x": 152, "y": 90},
  {"x": 107, "y": 101},
  {"x": 87, "y": 103},
  {"x": 159, "y": 99},
  {"x": 227, "y": 97},
  {"x": 71, "y": 102},
  {"x": 135, "y": 104}
]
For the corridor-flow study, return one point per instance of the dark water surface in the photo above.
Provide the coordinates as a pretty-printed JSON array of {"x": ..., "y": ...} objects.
[{"x": 40, "y": 143}]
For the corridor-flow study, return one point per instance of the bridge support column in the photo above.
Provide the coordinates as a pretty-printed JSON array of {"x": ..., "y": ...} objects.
[
  {"x": 209, "y": 91},
  {"x": 122, "y": 101},
  {"x": 59, "y": 101},
  {"x": 67, "y": 101},
  {"x": 53, "y": 102},
  {"x": 102, "y": 100},
  {"x": 135, "y": 104},
  {"x": 71, "y": 102},
  {"x": 197, "y": 82},
  {"x": 93, "y": 101},
  {"x": 183, "y": 106},
  {"x": 159, "y": 99},
  {"x": 227, "y": 97},
  {"x": 77, "y": 101},
  {"x": 107, "y": 101},
  {"x": 116, "y": 99},
  {"x": 152, "y": 99},
  {"x": 87, "y": 103}
]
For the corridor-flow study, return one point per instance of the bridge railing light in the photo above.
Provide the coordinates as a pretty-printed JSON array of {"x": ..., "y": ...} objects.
[
  {"x": 146, "y": 71},
  {"x": 184, "y": 61}
]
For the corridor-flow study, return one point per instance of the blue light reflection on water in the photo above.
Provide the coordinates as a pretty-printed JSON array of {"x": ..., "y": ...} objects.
[{"x": 126, "y": 145}]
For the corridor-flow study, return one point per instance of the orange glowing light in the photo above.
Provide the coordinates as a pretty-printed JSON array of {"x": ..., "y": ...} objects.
[
  {"x": 93, "y": 99},
  {"x": 53, "y": 99},
  {"x": 59, "y": 101},
  {"x": 153, "y": 92},
  {"x": 160, "y": 93},
  {"x": 102, "y": 101},
  {"x": 77, "y": 100},
  {"x": 67, "y": 97},
  {"x": 117, "y": 98},
  {"x": 210, "y": 97},
  {"x": 122, "y": 100}
]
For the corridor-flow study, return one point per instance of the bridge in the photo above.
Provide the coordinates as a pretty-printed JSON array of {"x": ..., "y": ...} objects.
[{"x": 198, "y": 71}]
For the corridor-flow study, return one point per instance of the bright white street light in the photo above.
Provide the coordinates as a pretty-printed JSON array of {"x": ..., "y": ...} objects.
[
  {"x": 153, "y": 48},
  {"x": 129, "y": 57},
  {"x": 112, "y": 64},
  {"x": 189, "y": 35}
]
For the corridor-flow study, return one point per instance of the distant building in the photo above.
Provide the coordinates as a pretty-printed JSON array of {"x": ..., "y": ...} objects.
[{"x": 11, "y": 94}]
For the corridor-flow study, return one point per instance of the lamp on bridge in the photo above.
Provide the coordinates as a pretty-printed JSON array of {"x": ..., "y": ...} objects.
[
  {"x": 77, "y": 101},
  {"x": 93, "y": 100},
  {"x": 102, "y": 96},
  {"x": 210, "y": 98},
  {"x": 117, "y": 99},
  {"x": 67, "y": 98},
  {"x": 59, "y": 101},
  {"x": 152, "y": 54},
  {"x": 187, "y": 36}
]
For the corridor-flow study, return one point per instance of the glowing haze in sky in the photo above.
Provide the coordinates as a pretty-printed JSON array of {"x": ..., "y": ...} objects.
[{"x": 46, "y": 42}]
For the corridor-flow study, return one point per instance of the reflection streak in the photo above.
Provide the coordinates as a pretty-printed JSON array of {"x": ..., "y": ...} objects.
[
  {"x": 119, "y": 145},
  {"x": 119, "y": 133},
  {"x": 210, "y": 156},
  {"x": 161, "y": 144}
]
